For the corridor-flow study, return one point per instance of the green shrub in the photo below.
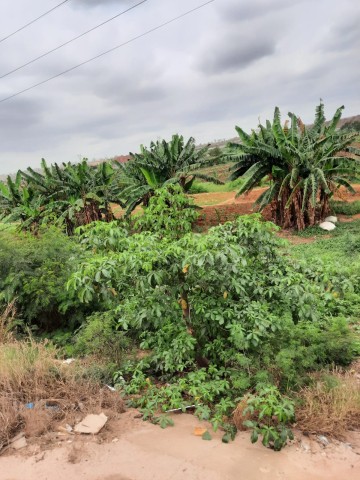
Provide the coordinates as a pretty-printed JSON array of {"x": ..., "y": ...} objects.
[
  {"x": 170, "y": 213},
  {"x": 33, "y": 272},
  {"x": 346, "y": 208},
  {"x": 271, "y": 413},
  {"x": 218, "y": 314},
  {"x": 99, "y": 337}
]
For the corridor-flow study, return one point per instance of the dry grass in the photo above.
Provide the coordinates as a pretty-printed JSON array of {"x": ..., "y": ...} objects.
[
  {"x": 238, "y": 416},
  {"x": 6, "y": 322},
  {"x": 31, "y": 373},
  {"x": 330, "y": 406}
]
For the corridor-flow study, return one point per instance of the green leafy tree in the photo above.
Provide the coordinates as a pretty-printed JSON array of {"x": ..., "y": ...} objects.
[
  {"x": 304, "y": 165},
  {"x": 170, "y": 213}
]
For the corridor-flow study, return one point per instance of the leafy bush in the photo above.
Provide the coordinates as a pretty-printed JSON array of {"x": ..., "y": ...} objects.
[
  {"x": 170, "y": 213},
  {"x": 99, "y": 337},
  {"x": 33, "y": 274},
  {"x": 198, "y": 187},
  {"x": 272, "y": 413},
  {"x": 218, "y": 313}
]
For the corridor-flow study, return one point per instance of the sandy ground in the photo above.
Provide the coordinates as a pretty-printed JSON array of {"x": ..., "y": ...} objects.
[{"x": 137, "y": 450}]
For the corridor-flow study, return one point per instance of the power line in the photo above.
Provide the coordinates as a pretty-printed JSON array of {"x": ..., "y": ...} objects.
[
  {"x": 33, "y": 21},
  {"x": 148, "y": 32},
  {"x": 72, "y": 40}
]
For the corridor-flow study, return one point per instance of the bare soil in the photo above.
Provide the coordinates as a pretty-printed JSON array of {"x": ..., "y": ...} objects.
[
  {"x": 220, "y": 207},
  {"x": 137, "y": 450}
]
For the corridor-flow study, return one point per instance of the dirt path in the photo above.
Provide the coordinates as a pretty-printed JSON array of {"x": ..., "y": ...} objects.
[
  {"x": 140, "y": 451},
  {"x": 226, "y": 198}
]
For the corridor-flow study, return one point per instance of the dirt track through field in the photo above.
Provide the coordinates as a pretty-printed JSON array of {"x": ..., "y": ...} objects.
[
  {"x": 140, "y": 451},
  {"x": 219, "y": 207}
]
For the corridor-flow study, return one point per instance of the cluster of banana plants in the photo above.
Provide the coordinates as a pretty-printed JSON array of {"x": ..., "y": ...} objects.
[
  {"x": 304, "y": 165},
  {"x": 69, "y": 195},
  {"x": 72, "y": 195}
]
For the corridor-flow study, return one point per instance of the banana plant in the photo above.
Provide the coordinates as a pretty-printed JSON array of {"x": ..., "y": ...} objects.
[
  {"x": 304, "y": 165},
  {"x": 173, "y": 162}
]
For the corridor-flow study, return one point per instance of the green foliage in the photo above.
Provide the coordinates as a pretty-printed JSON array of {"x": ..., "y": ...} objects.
[
  {"x": 218, "y": 314},
  {"x": 338, "y": 260},
  {"x": 304, "y": 165},
  {"x": 273, "y": 413},
  {"x": 67, "y": 196},
  {"x": 346, "y": 208},
  {"x": 98, "y": 336},
  {"x": 169, "y": 213},
  {"x": 33, "y": 273},
  {"x": 164, "y": 162}
]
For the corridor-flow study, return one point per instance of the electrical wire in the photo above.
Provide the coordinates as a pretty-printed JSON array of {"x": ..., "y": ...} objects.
[
  {"x": 148, "y": 32},
  {"x": 33, "y": 21},
  {"x": 72, "y": 40}
]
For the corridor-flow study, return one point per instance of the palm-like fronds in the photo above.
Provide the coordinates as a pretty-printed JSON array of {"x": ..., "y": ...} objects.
[
  {"x": 163, "y": 162},
  {"x": 304, "y": 165}
]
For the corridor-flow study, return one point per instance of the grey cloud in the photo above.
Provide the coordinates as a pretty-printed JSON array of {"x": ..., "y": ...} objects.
[
  {"x": 96, "y": 3},
  {"x": 127, "y": 94},
  {"x": 235, "y": 53},
  {"x": 345, "y": 36},
  {"x": 236, "y": 11}
]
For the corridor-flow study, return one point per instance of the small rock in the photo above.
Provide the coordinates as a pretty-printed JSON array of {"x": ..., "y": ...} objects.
[
  {"x": 305, "y": 446},
  {"x": 39, "y": 457},
  {"x": 323, "y": 440},
  {"x": 91, "y": 424},
  {"x": 327, "y": 226},
  {"x": 331, "y": 219}
]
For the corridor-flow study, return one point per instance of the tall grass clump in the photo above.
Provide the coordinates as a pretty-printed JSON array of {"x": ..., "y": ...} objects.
[{"x": 330, "y": 405}]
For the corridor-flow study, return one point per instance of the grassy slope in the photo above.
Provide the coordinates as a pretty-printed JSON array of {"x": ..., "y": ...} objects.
[{"x": 341, "y": 245}]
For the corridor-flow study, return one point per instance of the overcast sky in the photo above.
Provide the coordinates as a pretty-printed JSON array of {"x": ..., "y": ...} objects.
[{"x": 228, "y": 63}]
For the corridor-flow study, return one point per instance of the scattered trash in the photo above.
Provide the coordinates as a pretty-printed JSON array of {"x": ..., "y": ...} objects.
[
  {"x": 30, "y": 405},
  {"x": 323, "y": 440},
  {"x": 199, "y": 431},
  {"x": 91, "y": 424},
  {"x": 67, "y": 429},
  {"x": 181, "y": 409},
  {"x": 68, "y": 361},
  {"x": 111, "y": 388},
  {"x": 52, "y": 406}
]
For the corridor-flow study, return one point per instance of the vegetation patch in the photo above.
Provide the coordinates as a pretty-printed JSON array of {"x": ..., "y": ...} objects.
[
  {"x": 330, "y": 405},
  {"x": 38, "y": 391}
]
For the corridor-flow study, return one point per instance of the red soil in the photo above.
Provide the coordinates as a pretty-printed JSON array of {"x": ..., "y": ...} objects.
[{"x": 220, "y": 207}]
